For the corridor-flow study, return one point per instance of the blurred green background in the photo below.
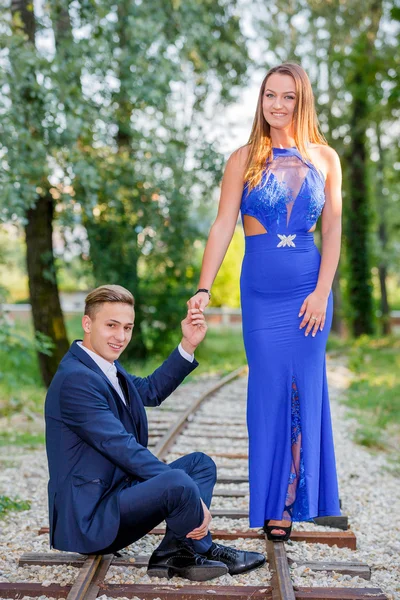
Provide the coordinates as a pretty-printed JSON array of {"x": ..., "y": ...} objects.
[{"x": 116, "y": 122}]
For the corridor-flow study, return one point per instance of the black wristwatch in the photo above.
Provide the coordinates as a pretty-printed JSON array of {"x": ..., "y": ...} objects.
[{"x": 204, "y": 290}]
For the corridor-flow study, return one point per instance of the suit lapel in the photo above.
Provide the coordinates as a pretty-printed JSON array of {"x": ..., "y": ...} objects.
[{"x": 136, "y": 406}]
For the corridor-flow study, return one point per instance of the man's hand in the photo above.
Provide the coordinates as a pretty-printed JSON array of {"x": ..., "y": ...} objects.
[
  {"x": 200, "y": 532},
  {"x": 194, "y": 329}
]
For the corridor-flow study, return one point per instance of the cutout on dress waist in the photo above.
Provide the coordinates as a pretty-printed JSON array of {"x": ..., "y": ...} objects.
[
  {"x": 256, "y": 228},
  {"x": 252, "y": 226}
]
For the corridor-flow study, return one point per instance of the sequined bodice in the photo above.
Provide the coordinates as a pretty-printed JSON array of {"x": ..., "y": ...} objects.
[{"x": 290, "y": 196}]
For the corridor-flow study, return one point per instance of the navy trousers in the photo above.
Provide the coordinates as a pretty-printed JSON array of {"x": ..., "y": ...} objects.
[{"x": 174, "y": 497}]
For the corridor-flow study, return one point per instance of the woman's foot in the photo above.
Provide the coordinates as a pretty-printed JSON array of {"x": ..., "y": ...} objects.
[{"x": 278, "y": 531}]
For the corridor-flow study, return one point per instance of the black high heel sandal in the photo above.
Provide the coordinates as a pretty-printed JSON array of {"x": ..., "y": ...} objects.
[{"x": 279, "y": 537}]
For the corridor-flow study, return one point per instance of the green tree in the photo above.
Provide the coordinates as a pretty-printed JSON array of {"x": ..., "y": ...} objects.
[
  {"x": 30, "y": 135},
  {"x": 349, "y": 50},
  {"x": 152, "y": 165},
  {"x": 108, "y": 127},
  {"x": 362, "y": 67}
]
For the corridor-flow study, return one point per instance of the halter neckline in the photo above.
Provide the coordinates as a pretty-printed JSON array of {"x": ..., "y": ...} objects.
[
  {"x": 283, "y": 150},
  {"x": 293, "y": 151}
]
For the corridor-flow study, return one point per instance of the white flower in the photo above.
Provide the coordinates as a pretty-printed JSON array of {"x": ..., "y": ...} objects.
[{"x": 286, "y": 240}]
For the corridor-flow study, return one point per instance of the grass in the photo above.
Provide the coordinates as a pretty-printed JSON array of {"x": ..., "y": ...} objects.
[
  {"x": 374, "y": 394},
  {"x": 7, "y": 504},
  {"x": 26, "y": 439},
  {"x": 222, "y": 351}
]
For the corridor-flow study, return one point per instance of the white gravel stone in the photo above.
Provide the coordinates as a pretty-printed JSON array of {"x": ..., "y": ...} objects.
[{"x": 367, "y": 488}]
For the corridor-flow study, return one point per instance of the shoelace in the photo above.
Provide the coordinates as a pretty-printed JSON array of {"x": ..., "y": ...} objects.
[
  {"x": 199, "y": 559},
  {"x": 224, "y": 552}
]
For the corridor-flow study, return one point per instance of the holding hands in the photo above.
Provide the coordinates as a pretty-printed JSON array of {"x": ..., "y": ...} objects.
[
  {"x": 194, "y": 328},
  {"x": 201, "y": 299},
  {"x": 314, "y": 311}
]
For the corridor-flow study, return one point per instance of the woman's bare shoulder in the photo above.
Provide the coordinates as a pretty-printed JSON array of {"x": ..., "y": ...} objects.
[
  {"x": 238, "y": 159},
  {"x": 241, "y": 154},
  {"x": 325, "y": 158},
  {"x": 326, "y": 152}
]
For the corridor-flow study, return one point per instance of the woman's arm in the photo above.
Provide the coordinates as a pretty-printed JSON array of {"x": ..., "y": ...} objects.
[
  {"x": 224, "y": 225},
  {"x": 315, "y": 304},
  {"x": 331, "y": 229}
]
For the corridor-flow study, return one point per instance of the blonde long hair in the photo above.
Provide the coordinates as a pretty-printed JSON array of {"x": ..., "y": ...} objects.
[{"x": 305, "y": 123}]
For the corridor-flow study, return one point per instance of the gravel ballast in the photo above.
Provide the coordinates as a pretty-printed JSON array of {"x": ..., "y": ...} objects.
[{"x": 368, "y": 491}]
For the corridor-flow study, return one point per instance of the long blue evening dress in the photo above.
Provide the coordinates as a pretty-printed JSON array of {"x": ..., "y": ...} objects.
[{"x": 291, "y": 453}]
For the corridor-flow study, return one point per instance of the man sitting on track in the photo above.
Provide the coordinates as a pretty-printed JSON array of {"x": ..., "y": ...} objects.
[{"x": 106, "y": 489}]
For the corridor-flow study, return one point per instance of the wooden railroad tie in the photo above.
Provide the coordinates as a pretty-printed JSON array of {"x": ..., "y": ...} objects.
[
  {"x": 72, "y": 559},
  {"x": 190, "y": 592},
  {"x": 341, "y": 539}
]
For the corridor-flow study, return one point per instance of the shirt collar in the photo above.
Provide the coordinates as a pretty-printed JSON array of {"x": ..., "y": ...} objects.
[{"x": 107, "y": 367}]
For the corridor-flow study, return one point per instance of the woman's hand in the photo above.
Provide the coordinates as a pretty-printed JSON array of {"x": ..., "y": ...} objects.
[
  {"x": 199, "y": 300},
  {"x": 314, "y": 311}
]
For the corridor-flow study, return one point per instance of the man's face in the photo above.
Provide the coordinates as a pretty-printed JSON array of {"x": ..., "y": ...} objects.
[{"x": 110, "y": 330}]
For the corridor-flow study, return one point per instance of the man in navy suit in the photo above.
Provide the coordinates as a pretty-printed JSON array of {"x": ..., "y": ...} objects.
[{"x": 106, "y": 489}]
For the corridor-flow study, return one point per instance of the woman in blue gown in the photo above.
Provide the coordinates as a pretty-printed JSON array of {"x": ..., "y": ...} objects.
[{"x": 282, "y": 181}]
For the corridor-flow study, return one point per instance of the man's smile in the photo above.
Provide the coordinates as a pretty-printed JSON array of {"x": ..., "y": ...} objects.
[{"x": 115, "y": 346}]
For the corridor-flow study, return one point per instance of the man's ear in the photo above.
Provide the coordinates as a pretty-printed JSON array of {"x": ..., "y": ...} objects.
[{"x": 86, "y": 323}]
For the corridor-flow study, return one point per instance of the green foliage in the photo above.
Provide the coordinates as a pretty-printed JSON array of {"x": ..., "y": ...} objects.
[
  {"x": 18, "y": 354},
  {"x": 143, "y": 182},
  {"x": 226, "y": 290},
  {"x": 21, "y": 387},
  {"x": 12, "y": 504},
  {"x": 112, "y": 128},
  {"x": 351, "y": 52}
]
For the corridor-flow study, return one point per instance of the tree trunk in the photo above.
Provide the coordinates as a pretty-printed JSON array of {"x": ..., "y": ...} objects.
[
  {"x": 43, "y": 290},
  {"x": 382, "y": 236},
  {"x": 46, "y": 310},
  {"x": 358, "y": 218},
  {"x": 358, "y": 221},
  {"x": 337, "y": 321},
  {"x": 25, "y": 10}
]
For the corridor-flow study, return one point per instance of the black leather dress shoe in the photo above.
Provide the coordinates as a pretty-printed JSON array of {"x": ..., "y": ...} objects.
[
  {"x": 237, "y": 561},
  {"x": 184, "y": 562}
]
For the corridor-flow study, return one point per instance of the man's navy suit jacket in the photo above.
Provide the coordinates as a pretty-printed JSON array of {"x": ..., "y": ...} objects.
[{"x": 96, "y": 445}]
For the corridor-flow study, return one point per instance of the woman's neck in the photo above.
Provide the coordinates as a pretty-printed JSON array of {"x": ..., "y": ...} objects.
[{"x": 282, "y": 139}]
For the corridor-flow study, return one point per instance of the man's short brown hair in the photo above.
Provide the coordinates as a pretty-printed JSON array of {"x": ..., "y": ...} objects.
[{"x": 107, "y": 293}]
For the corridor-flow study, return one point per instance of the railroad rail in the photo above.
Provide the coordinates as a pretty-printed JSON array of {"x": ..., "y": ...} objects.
[{"x": 90, "y": 582}]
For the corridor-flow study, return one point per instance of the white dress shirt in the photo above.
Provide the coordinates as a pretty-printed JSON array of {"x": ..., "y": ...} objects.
[{"x": 110, "y": 370}]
